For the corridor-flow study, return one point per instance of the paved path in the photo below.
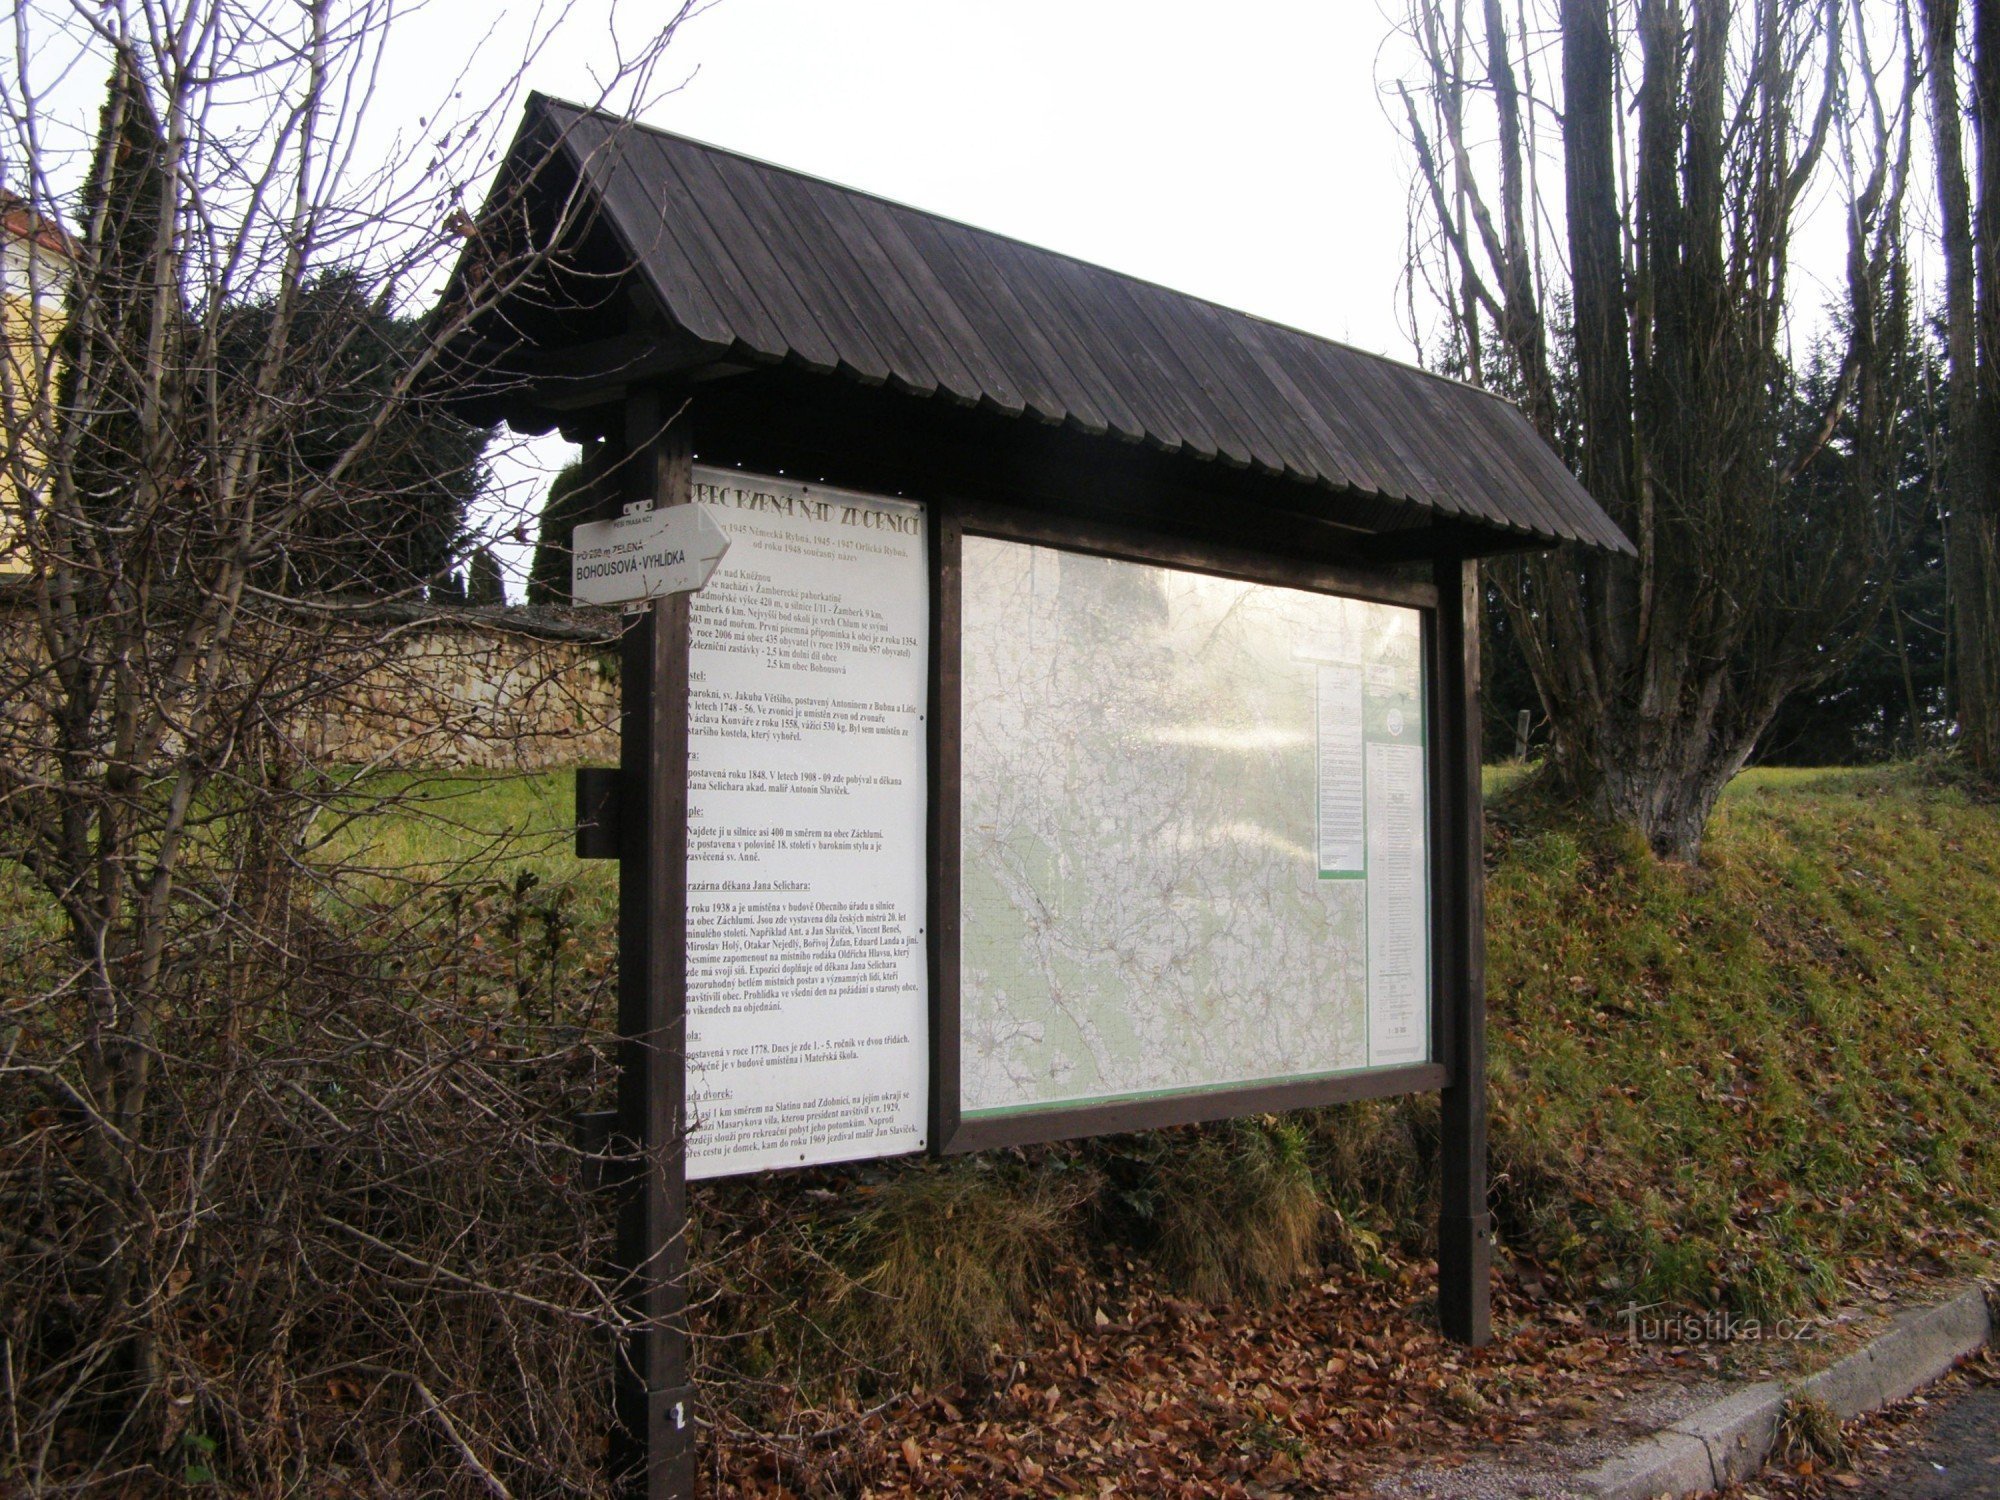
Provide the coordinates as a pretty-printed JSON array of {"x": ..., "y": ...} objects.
[{"x": 1954, "y": 1455}]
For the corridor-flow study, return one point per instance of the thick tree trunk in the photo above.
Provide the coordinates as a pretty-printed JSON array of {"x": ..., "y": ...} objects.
[
  {"x": 1597, "y": 271},
  {"x": 1668, "y": 795},
  {"x": 1967, "y": 478},
  {"x": 1973, "y": 320},
  {"x": 1639, "y": 730},
  {"x": 1975, "y": 566}
]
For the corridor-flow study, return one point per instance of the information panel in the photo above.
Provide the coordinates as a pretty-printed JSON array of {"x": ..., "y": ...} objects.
[
  {"x": 1194, "y": 833},
  {"x": 808, "y": 674}
]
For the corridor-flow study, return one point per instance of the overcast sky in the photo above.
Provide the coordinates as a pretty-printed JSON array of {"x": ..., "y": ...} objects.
[{"x": 1239, "y": 151}]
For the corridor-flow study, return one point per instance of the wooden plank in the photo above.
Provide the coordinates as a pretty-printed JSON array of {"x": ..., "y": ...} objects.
[
  {"x": 1066, "y": 341},
  {"x": 1108, "y": 306},
  {"x": 1465, "y": 1227},
  {"x": 1055, "y": 283},
  {"x": 852, "y": 322},
  {"x": 1217, "y": 376},
  {"x": 930, "y": 306},
  {"x": 1453, "y": 535},
  {"x": 1478, "y": 450},
  {"x": 1150, "y": 349},
  {"x": 668, "y": 204},
  {"x": 633, "y": 216},
  {"x": 1440, "y": 811},
  {"x": 1341, "y": 457},
  {"x": 1351, "y": 385},
  {"x": 805, "y": 203},
  {"x": 991, "y": 1132},
  {"x": 1120, "y": 345},
  {"x": 653, "y": 1449},
  {"x": 1002, "y": 335},
  {"x": 574, "y": 375},
  {"x": 947, "y": 576},
  {"x": 761, "y": 252},
  {"x": 945, "y": 366},
  {"x": 1037, "y": 333},
  {"x": 1540, "y": 472},
  {"x": 774, "y": 420},
  {"x": 1134, "y": 543}
]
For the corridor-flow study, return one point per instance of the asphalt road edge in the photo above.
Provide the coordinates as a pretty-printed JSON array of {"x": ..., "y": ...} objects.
[{"x": 1731, "y": 1439}]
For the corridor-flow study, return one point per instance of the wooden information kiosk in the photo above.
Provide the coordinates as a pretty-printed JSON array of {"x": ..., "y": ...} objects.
[{"x": 1080, "y": 732}]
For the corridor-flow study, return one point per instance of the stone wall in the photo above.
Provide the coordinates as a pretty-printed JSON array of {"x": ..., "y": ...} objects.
[
  {"x": 498, "y": 689},
  {"x": 410, "y": 686}
]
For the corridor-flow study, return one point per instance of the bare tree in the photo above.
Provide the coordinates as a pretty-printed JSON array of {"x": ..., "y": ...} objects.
[
  {"x": 1971, "y": 235},
  {"x": 1653, "y": 354},
  {"x": 243, "y": 1059}
]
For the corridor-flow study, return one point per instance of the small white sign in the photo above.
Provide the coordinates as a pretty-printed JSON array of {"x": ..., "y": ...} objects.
[{"x": 645, "y": 555}]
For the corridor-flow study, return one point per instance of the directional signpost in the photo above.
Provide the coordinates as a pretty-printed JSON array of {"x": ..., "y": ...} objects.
[{"x": 644, "y": 554}]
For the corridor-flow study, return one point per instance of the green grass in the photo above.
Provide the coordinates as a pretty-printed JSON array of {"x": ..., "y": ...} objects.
[
  {"x": 481, "y": 866},
  {"x": 414, "y": 850},
  {"x": 31, "y": 931},
  {"x": 446, "y": 825},
  {"x": 1743, "y": 1082}
]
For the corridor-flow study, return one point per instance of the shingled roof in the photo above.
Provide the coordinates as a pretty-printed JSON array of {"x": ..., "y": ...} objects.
[{"x": 772, "y": 265}]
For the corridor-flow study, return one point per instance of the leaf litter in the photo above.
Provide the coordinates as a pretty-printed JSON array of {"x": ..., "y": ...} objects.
[{"x": 1341, "y": 1383}]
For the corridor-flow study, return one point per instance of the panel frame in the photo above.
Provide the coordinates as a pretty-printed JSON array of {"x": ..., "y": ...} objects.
[{"x": 951, "y": 1134}]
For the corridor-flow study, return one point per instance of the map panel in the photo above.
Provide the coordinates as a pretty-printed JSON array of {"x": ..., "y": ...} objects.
[{"x": 1184, "y": 801}]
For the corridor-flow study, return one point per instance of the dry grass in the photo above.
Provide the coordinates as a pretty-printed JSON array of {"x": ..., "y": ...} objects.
[
  {"x": 1237, "y": 1209},
  {"x": 1809, "y": 1431},
  {"x": 941, "y": 1263}
]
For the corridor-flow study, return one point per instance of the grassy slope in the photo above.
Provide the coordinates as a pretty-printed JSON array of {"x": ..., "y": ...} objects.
[
  {"x": 1758, "y": 1079},
  {"x": 1745, "y": 1084}
]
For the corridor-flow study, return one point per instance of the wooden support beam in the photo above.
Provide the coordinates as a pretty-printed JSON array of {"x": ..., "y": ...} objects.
[
  {"x": 653, "y": 1455},
  {"x": 532, "y": 389},
  {"x": 1445, "y": 540},
  {"x": 1465, "y": 1228}
]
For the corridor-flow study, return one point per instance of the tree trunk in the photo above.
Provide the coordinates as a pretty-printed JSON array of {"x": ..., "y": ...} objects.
[
  {"x": 1971, "y": 552},
  {"x": 1973, "y": 280}
]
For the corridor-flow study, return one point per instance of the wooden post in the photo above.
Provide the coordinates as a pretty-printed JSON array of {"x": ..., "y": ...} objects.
[
  {"x": 1465, "y": 1228},
  {"x": 653, "y": 1450}
]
